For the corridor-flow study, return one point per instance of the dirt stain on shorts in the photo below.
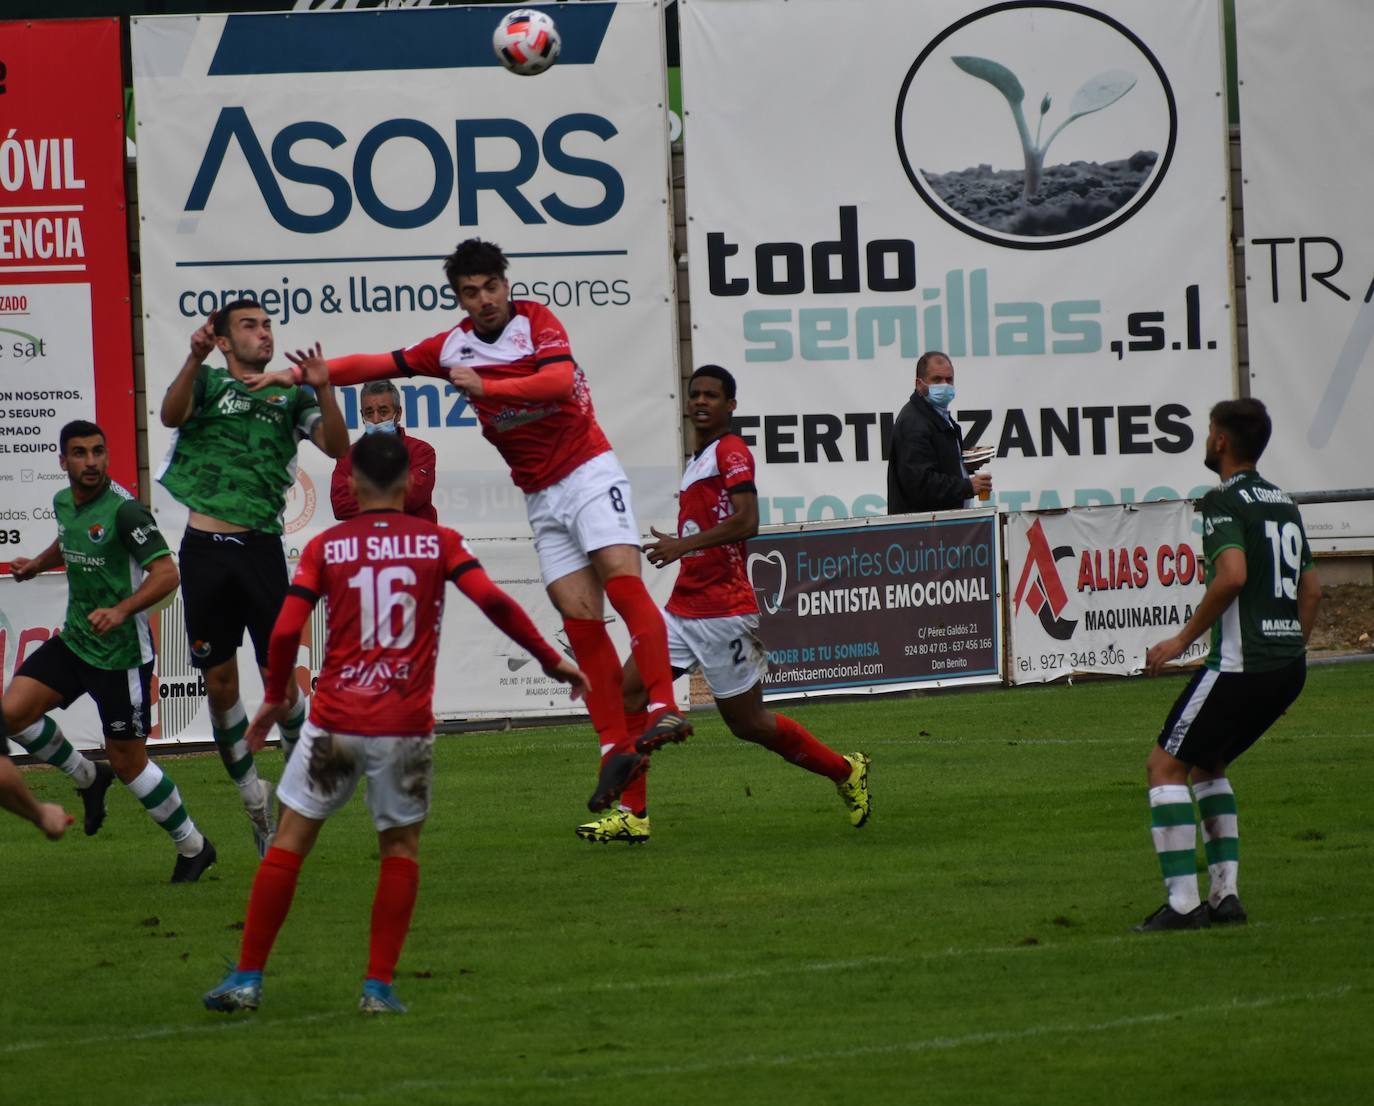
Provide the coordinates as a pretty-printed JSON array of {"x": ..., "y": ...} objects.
[
  {"x": 415, "y": 767},
  {"x": 330, "y": 764}
]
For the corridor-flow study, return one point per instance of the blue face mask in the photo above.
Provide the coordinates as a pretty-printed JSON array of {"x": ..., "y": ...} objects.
[
  {"x": 942, "y": 395},
  {"x": 388, "y": 427}
]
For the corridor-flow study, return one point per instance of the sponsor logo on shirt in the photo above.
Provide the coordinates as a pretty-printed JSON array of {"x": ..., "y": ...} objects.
[
  {"x": 139, "y": 534},
  {"x": 96, "y": 533},
  {"x": 276, "y": 401}
]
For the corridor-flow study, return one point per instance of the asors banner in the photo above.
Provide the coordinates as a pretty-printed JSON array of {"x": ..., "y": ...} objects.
[
  {"x": 1309, "y": 249},
  {"x": 1038, "y": 189},
  {"x": 66, "y": 350},
  {"x": 879, "y": 606},
  {"x": 1092, "y": 588},
  {"x": 326, "y": 162}
]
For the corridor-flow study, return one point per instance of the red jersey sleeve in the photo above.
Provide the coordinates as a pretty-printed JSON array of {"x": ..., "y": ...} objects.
[
  {"x": 422, "y": 359},
  {"x": 458, "y": 558},
  {"x": 310, "y": 571},
  {"x": 735, "y": 463},
  {"x": 550, "y": 339}
]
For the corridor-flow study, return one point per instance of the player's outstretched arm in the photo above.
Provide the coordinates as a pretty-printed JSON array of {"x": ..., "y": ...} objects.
[
  {"x": 330, "y": 434},
  {"x": 179, "y": 401},
  {"x": 18, "y": 799},
  {"x": 26, "y": 568},
  {"x": 281, "y": 664},
  {"x": 740, "y": 526},
  {"x": 552, "y": 382},
  {"x": 510, "y": 618},
  {"x": 1225, "y": 586}
]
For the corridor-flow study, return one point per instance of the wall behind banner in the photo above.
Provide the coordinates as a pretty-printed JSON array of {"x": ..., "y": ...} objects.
[
  {"x": 334, "y": 193},
  {"x": 830, "y": 247}
]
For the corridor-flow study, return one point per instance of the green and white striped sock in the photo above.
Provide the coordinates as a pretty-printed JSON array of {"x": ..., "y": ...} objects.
[
  {"x": 290, "y": 726},
  {"x": 161, "y": 799},
  {"x": 1220, "y": 836},
  {"x": 230, "y": 730},
  {"x": 1174, "y": 830},
  {"x": 44, "y": 740}
]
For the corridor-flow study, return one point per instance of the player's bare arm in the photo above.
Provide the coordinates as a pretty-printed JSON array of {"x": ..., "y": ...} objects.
[
  {"x": 161, "y": 581},
  {"x": 179, "y": 400},
  {"x": 18, "y": 799},
  {"x": 1225, "y": 586},
  {"x": 26, "y": 568},
  {"x": 330, "y": 434},
  {"x": 1309, "y": 599},
  {"x": 740, "y": 526}
]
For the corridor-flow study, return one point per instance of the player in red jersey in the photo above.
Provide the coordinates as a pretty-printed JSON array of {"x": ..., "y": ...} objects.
[
  {"x": 382, "y": 575},
  {"x": 713, "y": 617},
  {"x": 514, "y": 361}
]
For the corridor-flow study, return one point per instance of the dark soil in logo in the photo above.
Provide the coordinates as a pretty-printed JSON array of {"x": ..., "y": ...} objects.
[{"x": 1071, "y": 197}]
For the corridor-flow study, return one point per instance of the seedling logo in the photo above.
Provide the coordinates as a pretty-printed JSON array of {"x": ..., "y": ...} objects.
[
  {"x": 985, "y": 172},
  {"x": 1041, "y": 587}
]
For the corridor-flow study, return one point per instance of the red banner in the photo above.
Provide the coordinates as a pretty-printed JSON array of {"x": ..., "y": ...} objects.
[{"x": 66, "y": 349}]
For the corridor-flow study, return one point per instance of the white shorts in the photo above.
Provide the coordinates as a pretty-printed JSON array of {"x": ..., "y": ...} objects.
[
  {"x": 587, "y": 510},
  {"x": 727, "y": 650},
  {"x": 325, "y": 768}
]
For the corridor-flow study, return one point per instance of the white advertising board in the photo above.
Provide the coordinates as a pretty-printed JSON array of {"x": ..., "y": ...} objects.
[
  {"x": 1306, "y": 86},
  {"x": 857, "y": 185},
  {"x": 1092, "y": 588}
]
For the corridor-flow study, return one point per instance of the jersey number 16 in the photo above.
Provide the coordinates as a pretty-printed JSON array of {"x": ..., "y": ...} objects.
[{"x": 378, "y": 600}]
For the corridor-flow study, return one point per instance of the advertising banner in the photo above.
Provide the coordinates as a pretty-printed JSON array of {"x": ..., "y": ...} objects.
[
  {"x": 1092, "y": 588},
  {"x": 1306, "y": 86},
  {"x": 326, "y": 162},
  {"x": 879, "y": 606},
  {"x": 66, "y": 350},
  {"x": 1037, "y": 189}
]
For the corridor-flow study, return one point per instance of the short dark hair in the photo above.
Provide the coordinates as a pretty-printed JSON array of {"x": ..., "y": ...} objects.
[
  {"x": 221, "y": 318},
  {"x": 1247, "y": 424},
  {"x": 381, "y": 461},
  {"x": 77, "y": 428},
  {"x": 923, "y": 362},
  {"x": 474, "y": 257},
  {"x": 726, "y": 378}
]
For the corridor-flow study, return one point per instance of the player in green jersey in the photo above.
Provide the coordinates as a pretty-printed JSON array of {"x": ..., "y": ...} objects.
[
  {"x": 232, "y": 461},
  {"x": 1260, "y": 604},
  {"x": 118, "y": 566}
]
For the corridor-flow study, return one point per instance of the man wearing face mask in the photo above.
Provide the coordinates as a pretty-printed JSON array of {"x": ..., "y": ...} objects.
[
  {"x": 380, "y": 406},
  {"x": 925, "y": 468}
]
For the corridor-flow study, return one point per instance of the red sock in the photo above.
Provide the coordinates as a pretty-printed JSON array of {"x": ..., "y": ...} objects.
[
  {"x": 648, "y": 637},
  {"x": 397, "y": 885},
  {"x": 793, "y": 742},
  {"x": 595, "y": 653},
  {"x": 268, "y": 904},
  {"x": 634, "y": 797}
]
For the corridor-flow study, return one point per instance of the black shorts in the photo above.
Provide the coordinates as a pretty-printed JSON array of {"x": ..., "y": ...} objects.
[
  {"x": 229, "y": 583},
  {"x": 1221, "y": 714},
  {"x": 122, "y": 695}
]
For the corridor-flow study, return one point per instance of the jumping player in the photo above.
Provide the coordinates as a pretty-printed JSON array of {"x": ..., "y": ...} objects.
[
  {"x": 382, "y": 576},
  {"x": 713, "y": 617},
  {"x": 1261, "y": 604},
  {"x": 232, "y": 459},
  {"x": 514, "y": 361},
  {"x": 118, "y": 565}
]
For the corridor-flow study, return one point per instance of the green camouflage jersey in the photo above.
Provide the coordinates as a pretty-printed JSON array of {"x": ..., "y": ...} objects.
[
  {"x": 235, "y": 458},
  {"x": 1260, "y": 630},
  {"x": 106, "y": 543}
]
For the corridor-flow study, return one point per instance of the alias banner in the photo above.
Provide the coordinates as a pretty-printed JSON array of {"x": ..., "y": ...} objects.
[
  {"x": 879, "y": 606},
  {"x": 1038, "y": 189},
  {"x": 66, "y": 349},
  {"x": 1091, "y": 589}
]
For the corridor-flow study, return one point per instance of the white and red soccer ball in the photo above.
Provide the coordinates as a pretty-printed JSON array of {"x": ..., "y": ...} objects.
[{"x": 526, "y": 41}]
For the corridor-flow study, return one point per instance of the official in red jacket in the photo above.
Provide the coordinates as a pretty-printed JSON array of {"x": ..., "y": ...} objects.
[{"x": 381, "y": 412}]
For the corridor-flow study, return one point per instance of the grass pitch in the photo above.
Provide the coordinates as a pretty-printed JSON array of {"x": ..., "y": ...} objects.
[{"x": 969, "y": 945}]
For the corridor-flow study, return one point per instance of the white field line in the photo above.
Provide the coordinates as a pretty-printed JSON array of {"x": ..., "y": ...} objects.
[
  {"x": 831, "y": 1054},
  {"x": 712, "y": 979}
]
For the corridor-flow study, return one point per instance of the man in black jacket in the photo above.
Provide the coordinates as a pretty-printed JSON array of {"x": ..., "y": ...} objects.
[{"x": 925, "y": 467}]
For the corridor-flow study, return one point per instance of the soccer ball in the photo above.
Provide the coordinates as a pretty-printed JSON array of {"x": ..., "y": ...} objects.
[{"x": 526, "y": 41}]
